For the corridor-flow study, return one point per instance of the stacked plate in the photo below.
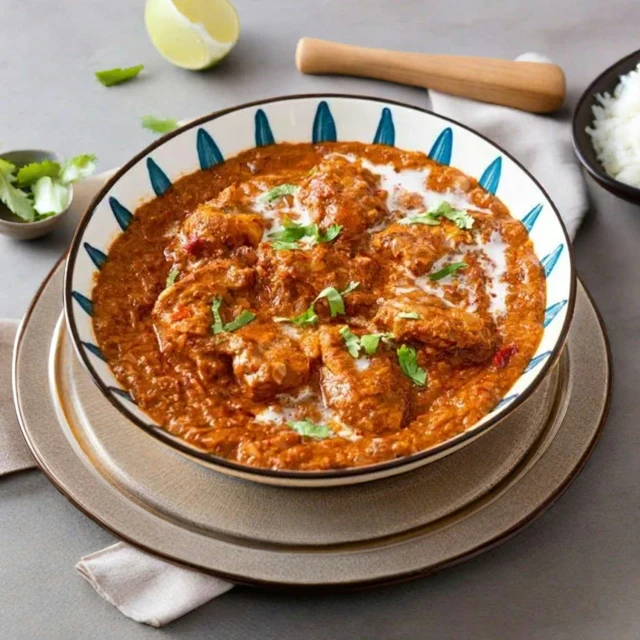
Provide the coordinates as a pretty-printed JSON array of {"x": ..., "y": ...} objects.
[{"x": 383, "y": 523}]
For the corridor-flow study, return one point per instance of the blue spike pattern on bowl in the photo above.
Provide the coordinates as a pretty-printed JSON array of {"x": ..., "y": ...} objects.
[{"x": 204, "y": 145}]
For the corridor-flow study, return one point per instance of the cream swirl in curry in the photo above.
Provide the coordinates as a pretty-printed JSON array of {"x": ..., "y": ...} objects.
[{"x": 320, "y": 306}]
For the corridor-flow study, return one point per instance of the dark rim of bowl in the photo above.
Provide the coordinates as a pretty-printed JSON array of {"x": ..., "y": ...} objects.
[
  {"x": 586, "y": 101},
  {"x": 247, "y": 470}
]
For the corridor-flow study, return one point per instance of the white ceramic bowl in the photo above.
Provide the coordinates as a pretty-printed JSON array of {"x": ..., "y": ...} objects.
[{"x": 209, "y": 140}]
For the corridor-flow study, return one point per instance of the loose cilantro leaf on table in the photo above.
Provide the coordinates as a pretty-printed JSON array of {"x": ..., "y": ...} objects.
[
  {"x": 408, "y": 361},
  {"x": 157, "y": 125},
  {"x": 244, "y": 318},
  {"x": 310, "y": 429},
  {"x": 447, "y": 271},
  {"x": 109, "y": 77},
  {"x": 278, "y": 192},
  {"x": 77, "y": 168}
]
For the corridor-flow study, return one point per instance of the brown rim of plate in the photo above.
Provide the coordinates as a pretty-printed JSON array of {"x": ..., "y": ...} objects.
[
  {"x": 163, "y": 436},
  {"x": 491, "y": 544}
]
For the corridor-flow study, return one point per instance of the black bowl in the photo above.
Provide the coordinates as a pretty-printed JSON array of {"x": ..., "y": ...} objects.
[{"x": 583, "y": 117}]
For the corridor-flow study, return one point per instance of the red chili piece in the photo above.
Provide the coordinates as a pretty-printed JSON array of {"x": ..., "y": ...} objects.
[
  {"x": 502, "y": 357},
  {"x": 194, "y": 246}
]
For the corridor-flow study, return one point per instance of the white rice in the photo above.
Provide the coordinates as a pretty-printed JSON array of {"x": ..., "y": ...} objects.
[{"x": 616, "y": 130}]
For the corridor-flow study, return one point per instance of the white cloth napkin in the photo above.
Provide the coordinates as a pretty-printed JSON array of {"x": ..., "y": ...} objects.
[
  {"x": 155, "y": 592},
  {"x": 14, "y": 453},
  {"x": 541, "y": 142},
  {"x": 145, "y": 588}
]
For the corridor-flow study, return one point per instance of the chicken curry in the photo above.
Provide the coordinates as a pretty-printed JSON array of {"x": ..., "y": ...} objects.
[{"x": 320, "y": 306}]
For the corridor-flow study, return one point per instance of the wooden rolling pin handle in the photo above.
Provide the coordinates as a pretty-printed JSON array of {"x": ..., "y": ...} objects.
[{"x": 531, "y": 86}]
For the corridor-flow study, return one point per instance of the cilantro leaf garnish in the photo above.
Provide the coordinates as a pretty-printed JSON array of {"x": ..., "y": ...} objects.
[
  {"x": 409, "y": 315},
  {"x": 31, "y": 173},
  {"x": 171, "y": 278},
  {"x": 157, "y": 125},
  {"x": 245, "y": 317},
  {"x": 336, "y": 305},
  {"x": 352, "y": 286},
  {"x": 280, "y": 245},
  {"x": 50, "y": 196},
  {"x": 278, "y": 192},
  {"x": 408, "y": 361},
  {"x": 332, "y": 232},
  {"x": 310, "y": 429},
  {"x": 370, "y": 341},
  {"x": 217, "y": 326},
  {"x": 421, "y": 218},
  {"x": 351, "y": 341},
  {"x": 287, "y": 238},
  {"x": 334, "y": 298},
  {"x": 306, "y": 317},
  {"x": 447, "y": 271},
  {"x": 290, "y": 233},
  {"x": 459, "y": 217},
  {"x": 15, "y": 200},
  {"x": 109, "y": 77}
]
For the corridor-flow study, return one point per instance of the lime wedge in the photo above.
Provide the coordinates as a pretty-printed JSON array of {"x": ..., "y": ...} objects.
[{"x": 193, "y": 34}]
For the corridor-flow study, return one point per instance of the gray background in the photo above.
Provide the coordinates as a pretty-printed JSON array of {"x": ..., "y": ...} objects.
[{"x": 575, "y": 573}]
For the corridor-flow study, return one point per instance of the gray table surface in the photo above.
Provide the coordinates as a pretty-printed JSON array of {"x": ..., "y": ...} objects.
[{"x": 575, "y": 573}]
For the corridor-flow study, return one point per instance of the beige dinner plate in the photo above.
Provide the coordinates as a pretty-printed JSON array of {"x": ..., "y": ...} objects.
[{"x": 380, "y": 532}]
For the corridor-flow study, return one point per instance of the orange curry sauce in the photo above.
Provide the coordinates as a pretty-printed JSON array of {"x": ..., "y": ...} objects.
[{"x": 247, "y": 384}]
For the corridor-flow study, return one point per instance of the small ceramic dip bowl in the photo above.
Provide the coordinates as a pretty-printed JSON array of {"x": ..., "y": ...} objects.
[{"x": 10, "y": 224}]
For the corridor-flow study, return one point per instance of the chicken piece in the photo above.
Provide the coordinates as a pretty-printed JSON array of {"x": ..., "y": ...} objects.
[
  {"x": 210, "y": 233},
  {"x": 183, "y": 310},
  {"x": 292, "y": 279},
  {"x": 440, "y": 328},
  {"x": 267, "y": 360},
  {"x": 342, "y": 192},
  {"x": 368, "y": 394},
  {"x": 415, "y": 246}
]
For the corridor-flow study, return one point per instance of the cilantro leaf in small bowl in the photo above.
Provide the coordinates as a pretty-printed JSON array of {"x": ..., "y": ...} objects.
[{"x": 35, "y": 186}]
